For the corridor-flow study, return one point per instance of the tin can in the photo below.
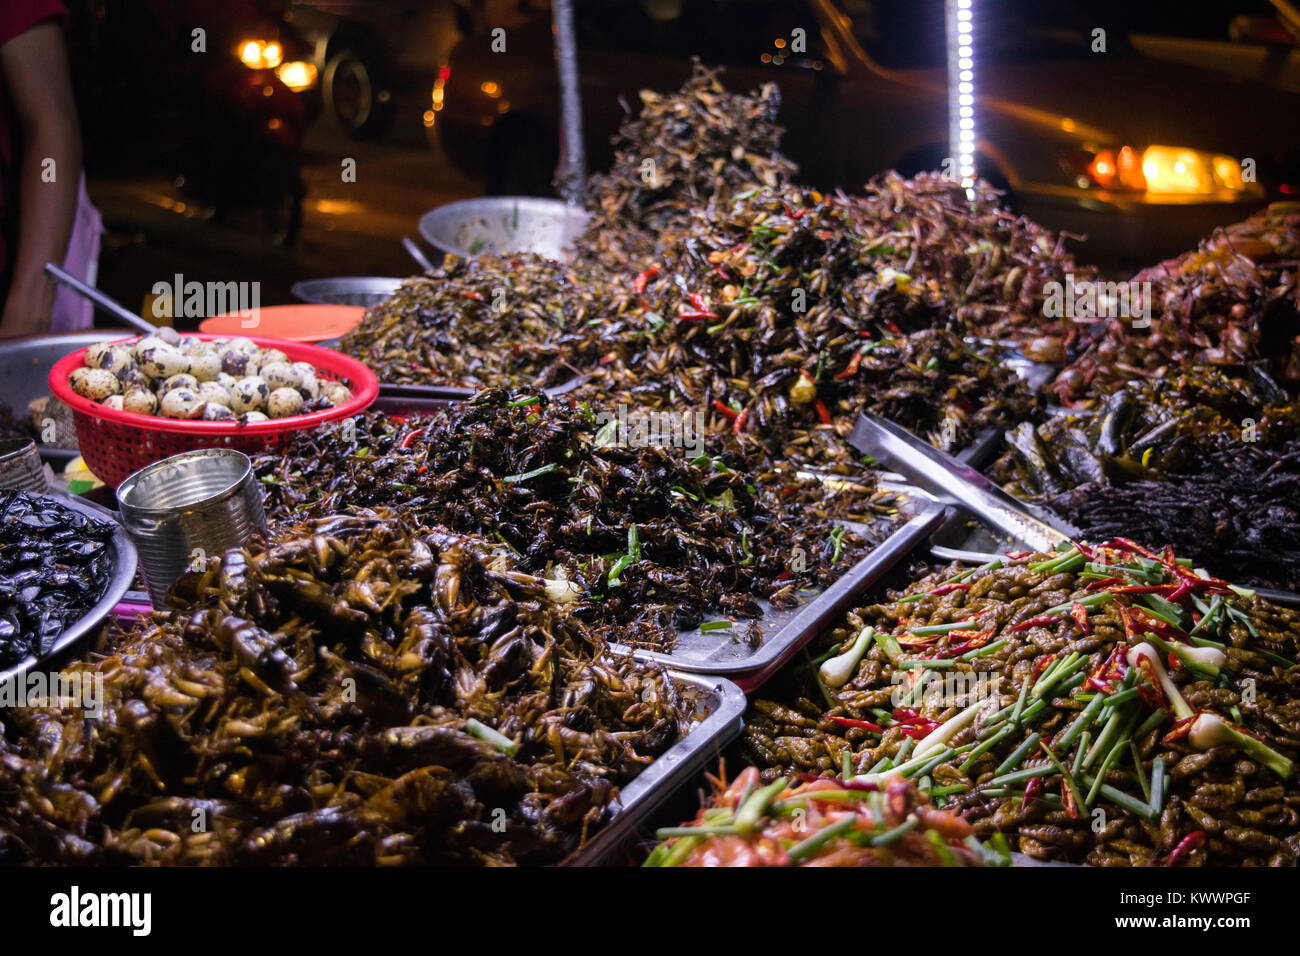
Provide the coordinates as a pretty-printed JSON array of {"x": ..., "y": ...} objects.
[{"x": 184, "y": 509}]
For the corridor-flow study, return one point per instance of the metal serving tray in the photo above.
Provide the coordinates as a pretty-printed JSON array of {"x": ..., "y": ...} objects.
[
  {"x": 719, "y": 706},
  {"x": 786, "y": 630},
  {"x": 25, "y": 365},
  {"x": 123, "y": 574}
]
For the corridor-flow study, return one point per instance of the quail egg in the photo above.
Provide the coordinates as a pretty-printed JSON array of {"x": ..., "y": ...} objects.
[
  {"x": 250, "y": 417},
  {"x": 205, "y": 365},
  {"x": 336, "y": 393},
  {"x": 214, "y": 393},
  {"x": 112, "y": 401},
  {"x": 238, "y": 363},
  {"x": 307, "y": 384},
  {"x": 94, "y": 383},
  {"x": 213, "y": 412},
  {"x": 182, "y": 403},
  {"x": 168, "y": 335},
  {"x": 249, "y": 394},
  {"x": 280, "y": 375},
  {"x": 184, "y": 380},
  {"x": 267, "y": 356},
  {"x": 284, "y": 401},
  {"x": 162, "y": 360},
  {"x": 111, "y": 358},
  {"x": 226, "y": 379},
  {"x": 139, "y": 399}
]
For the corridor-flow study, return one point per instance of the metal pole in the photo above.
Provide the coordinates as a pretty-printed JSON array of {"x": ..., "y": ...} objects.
[{"x": 572, "y": 172}]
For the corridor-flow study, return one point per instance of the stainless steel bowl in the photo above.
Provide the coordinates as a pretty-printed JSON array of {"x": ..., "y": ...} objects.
[
  {"x": 25, "y": 365},
  {"x": 183, "y": 509},
  {"x": 547, "y": 227},
  {"x": 124, "y": 562},
  {"x": 346, "y": 290}
]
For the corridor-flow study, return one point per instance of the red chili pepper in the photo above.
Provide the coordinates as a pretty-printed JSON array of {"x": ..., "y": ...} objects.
[
  {"x": 859, "y": 724},
  {"x": 1017, "y": 555},
  {"x": 911, "y": 640},
  {"x": 400, "y": 419},
  {"x": 893, "y": 327},
  {"x": 608, "y": 357},
  {"x": 725, "y": 409},
  {"x": 739, "y": 425},
  {"x": 784, "y": 576},
  {"x": 1041, "y": 621},
  {"x": 1142, "y": 589},
  {"x": 638, "y": 284},
  {"x": 422, "y": 469},
  {"x": 796, "y": 214},
  {"x": 949, "y": 588},
  {"x": 1149, "y": 689},
  {"x": 471, "y": 294},
  {"x": 1080, "y": 615},
  {"x": 1067, "y": 800},
  {"x": 1032, "y": 789},
  {"x": 823, "y": 412},
  {"x": 921, "y": 730},
  {"x": 852, "y": 368},
  {"x": 1103, "y": 583},
  {"x": 1088, "y": 552},
  {"x": 904, "y": 714},
  {"x": 410, "y": 437},
  {"x": 687, "y": 315},
  {"x": 1127, "y": 544},
  {"x": 1042, "y": 664},
  {"x": 1186, "y": 845},
  {"x": 973, "y": 640}
]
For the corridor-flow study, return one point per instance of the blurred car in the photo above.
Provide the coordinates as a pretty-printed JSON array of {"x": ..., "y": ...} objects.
[
  {"x": 1141, "y": 156},
  {"x": 365, "y": 51}
]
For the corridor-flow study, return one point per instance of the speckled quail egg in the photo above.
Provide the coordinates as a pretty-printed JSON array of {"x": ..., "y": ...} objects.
[
  {"x": 250, "y": 417},
  {"x": 267, "y": 356},
  {"x": 213, "y": 412},
  {"x": 112, "y": 401},
  {"x": 111, "y": 358},
  {"x": 336, "y": 393},
  {"x": 226, "y": 379},
  {"x": 308, "y": 385},
  {"x": 280, "y": 375},
  {"x": 168, "y": 335},
  {"x": 182, "y": 403},
  {"x": 139, "y": 399},
  {"x": 132, "y": 374},
  {"x": 249, "y": 394},
  {"x": 238, "y": 363},
  {"x": 284, "y": 401},
  {"x": 162, "y": 360},
  {"x": 94, "y": 383},
  {"x": 205, "y": 365},
  {"x": 214, "y": 393},
  {"x": 183, "y": 380}
]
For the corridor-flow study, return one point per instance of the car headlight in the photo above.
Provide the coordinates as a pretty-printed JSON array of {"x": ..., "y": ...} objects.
[
  {"x": 1173, "y": 169},
  {"x": 298, "y": 75},
  {"x": 260, "y": 54},
  {"x": 1160, "y": 170}
]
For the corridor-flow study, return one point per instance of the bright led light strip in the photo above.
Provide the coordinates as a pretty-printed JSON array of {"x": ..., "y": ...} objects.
[{"x": 961, "y": 90}]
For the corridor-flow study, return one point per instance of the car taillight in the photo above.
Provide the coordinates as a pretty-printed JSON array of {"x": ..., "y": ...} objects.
[{"x": 1118, "y": 169}]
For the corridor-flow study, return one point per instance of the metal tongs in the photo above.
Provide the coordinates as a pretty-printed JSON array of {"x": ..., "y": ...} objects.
[{"x": 950, "y": 480}]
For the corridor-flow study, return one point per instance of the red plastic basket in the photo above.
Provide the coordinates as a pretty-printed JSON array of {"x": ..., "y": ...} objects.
[{"x": 116, "y": 444}]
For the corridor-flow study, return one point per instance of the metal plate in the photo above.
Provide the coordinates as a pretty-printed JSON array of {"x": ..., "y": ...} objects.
[
  {"x": 719, "y": 705},
  {"x": 118, "y": 584},
  {"x": 25, "y": 365},
  {"x": 786, "y": 630},
  {"x": 346, "y": 290}
]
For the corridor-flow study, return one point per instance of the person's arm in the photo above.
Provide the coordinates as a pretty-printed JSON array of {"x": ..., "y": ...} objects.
[{"x": 34, "y": 66}]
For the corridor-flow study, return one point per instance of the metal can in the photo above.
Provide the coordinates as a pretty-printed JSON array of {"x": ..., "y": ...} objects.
[
  {"x": 21, "y": 466},
  {"x": 184, "y": 509}
]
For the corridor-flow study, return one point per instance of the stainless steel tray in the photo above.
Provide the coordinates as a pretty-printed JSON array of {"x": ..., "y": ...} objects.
[
  {"x": 120, "y": 582},
  {"x": 719, "y": 706},
  {"x": 25, "y": 365},
  {"x": 786, "y": 630}
]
